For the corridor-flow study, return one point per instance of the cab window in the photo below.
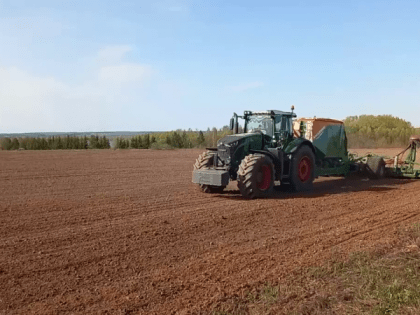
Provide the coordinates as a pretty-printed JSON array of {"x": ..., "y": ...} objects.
[{"x": 283, "y": 123}]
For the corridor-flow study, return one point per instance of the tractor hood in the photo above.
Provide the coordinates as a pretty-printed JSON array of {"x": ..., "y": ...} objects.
[{"x": 240, "y": 138}]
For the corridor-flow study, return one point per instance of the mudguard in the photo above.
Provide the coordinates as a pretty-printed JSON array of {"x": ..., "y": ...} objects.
[{"x": 296, "y": 144}]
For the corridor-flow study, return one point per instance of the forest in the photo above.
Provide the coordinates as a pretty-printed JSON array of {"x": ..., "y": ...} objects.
[{"x": 368, "y": 131}]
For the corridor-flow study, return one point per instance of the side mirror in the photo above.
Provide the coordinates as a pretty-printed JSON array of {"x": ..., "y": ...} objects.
[{"x": 231, "y": 124}]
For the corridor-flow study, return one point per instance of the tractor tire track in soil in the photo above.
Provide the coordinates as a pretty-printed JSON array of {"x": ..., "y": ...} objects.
[{"x": 126, "y": 232}]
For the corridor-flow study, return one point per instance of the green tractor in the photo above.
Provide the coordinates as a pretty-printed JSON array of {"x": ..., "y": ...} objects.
[{"x": 275, "y": 149}]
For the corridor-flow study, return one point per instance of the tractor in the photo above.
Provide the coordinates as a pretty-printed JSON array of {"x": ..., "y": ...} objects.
[{"x": 275, "y": 149}]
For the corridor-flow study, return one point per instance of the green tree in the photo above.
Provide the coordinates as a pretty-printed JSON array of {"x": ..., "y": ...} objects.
[
  {"x": 94, "y": 142},
  {"x": 152, "y": 139},
  {"x": 139, "y": 142},
  {"x": 22, "y": 143},
  {"x": 134, "y": 143},
  {"x": 176, "y": 140},
  {"x": 6, "y": 143},
  {"x": 85, "y": 142},
  {"x": 59, "y": 143},
  {"x": 200, "y": 138},
  {"x": 146, "y": 141},
  {"x": 105, "y": 143},
  {"x": 185, "y": 142},
  {"x": 43, "y": 144},
  {"x": 168, "y": 139},
  {"x": 15, "y": 144},
  {"x": 123, "y": 143}
]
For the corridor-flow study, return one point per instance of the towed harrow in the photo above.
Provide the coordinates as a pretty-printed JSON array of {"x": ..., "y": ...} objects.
[
  {"x": 397, "y": 167},
  {"x": 376, "y": 166}
]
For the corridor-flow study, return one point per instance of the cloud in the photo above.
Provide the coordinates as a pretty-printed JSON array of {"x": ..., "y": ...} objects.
[
  {"x": 30, "y": 102},
  {"x": 247, "y": 86}
]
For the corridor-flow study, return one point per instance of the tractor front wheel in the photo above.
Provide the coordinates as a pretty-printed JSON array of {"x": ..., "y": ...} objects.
[
  {"x": 302, "y": 171},
  {"x": 205, "y": 161},
  {"x": 255, "y": 176}
]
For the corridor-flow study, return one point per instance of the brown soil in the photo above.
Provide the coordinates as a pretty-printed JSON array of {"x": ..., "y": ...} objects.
[{"x": 126, "y": 232}]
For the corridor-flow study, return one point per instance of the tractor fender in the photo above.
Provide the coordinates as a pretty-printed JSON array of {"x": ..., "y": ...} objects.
[
  {"x": 272, "y": 155},
  {"x": 277, "y": 158},
  {"x": 293, "y": 146}
]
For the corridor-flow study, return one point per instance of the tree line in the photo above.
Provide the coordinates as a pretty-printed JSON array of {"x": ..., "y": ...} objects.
[
  {"x": 163, "y": 140},
  {"x": 55, "y": 143},
  {"x": 366, "y": 131},
  {"x": 178, "y": 139}
]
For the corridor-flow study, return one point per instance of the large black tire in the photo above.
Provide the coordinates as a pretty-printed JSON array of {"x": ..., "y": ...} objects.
[
  {"x": 375, "y": 167},
  {"x": 302, "y": 171},
  {"x": 256, "y": 176},
  {"x": 205, "y": 161}
]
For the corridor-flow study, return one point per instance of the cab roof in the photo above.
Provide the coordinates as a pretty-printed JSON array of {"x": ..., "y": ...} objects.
[{"x": 270, "y": 112}]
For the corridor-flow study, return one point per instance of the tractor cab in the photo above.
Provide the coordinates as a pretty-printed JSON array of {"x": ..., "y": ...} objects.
[{"x": 275, "y": 126}]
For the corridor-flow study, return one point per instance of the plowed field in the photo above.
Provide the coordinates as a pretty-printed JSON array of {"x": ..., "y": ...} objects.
[{"x": 125, "y": 232}]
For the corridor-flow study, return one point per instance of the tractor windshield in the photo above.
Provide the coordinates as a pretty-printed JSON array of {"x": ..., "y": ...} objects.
[{"x": 262, "y": 124}]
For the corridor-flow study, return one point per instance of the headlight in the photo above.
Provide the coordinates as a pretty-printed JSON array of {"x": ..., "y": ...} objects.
[{"x": 234, "y": 144}]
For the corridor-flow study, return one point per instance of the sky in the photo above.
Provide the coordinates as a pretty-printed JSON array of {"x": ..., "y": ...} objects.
[{"x": 74, "y": 66}]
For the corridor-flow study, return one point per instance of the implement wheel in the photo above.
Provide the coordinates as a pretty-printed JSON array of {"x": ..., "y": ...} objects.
[
  {"x": 255, "y": 176},
  {"x": 375, "y": 167},
  {"x": 302, "y": 171},
  {"x": 205, "y": 161}
]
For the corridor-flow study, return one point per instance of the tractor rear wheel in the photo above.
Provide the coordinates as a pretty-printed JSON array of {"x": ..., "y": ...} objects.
[
  {"x": 376, "y": 167},
  {"x": 302, "y": 172},
  {"x": 255, "y": 176},
  {"x": 205, "y": 161}
]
